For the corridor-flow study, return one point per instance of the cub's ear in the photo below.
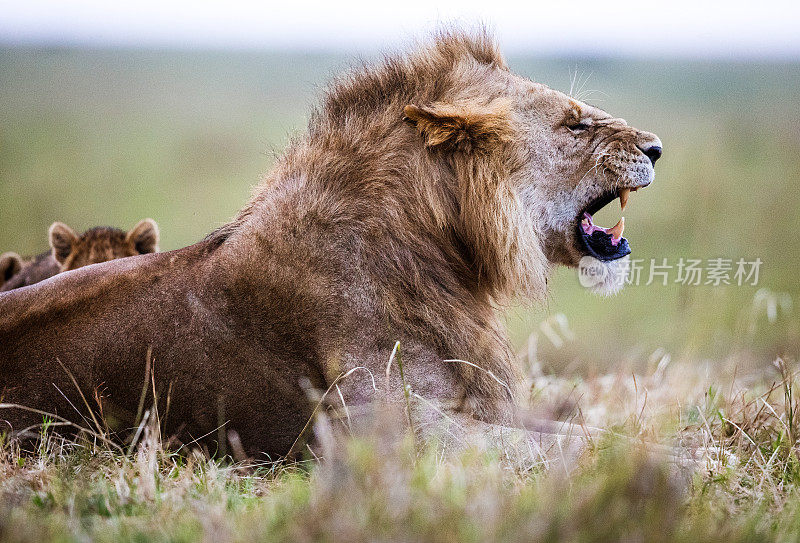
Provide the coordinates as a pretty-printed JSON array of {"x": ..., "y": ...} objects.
[
  {"x": 144, "y": 236},
  {"x": 10, "y": 265},
  {"x": 463, "y": 127},
  {"x": 62, "y": 238}
]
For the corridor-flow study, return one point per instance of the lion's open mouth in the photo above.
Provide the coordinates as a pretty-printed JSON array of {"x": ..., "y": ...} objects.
[{"x": 603, "y": 243}]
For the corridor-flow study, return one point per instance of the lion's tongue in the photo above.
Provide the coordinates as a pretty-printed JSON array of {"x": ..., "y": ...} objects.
[{"x": 615, "y": 231}]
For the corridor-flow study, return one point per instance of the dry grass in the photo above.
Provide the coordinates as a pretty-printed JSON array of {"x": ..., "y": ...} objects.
[{"x": 375, "y": 489}]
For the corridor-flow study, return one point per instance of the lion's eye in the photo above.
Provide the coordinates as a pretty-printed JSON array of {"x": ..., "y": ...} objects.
[{"x": 580, "y": 127}]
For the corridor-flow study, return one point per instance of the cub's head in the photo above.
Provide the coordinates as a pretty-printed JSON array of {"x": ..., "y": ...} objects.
[
  {"x": 101, "y": 243},
  {"x": 539, "y": 163}
]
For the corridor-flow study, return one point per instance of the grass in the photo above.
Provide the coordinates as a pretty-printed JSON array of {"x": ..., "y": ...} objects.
[{"x": 366, "y": 490}]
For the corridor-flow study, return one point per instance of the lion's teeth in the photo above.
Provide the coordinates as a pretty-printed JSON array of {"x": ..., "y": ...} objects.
[
  {"x": 623, "y": 198},
  {"x": 617, "y": 229}
]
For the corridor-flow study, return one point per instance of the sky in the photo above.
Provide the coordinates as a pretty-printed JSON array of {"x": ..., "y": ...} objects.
[{"x": 649, "y": 28}]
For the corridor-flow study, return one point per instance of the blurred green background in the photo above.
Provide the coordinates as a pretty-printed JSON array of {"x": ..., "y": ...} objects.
[{"x": 111, "y": 136}]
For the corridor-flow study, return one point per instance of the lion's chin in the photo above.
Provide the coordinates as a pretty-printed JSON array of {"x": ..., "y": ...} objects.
[{"x": 604, "y": 278}]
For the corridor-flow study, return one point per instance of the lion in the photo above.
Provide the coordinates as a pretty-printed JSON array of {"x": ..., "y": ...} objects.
[
  {"x": 427, "y": 191},
  {"x": 70, "y": 251}
]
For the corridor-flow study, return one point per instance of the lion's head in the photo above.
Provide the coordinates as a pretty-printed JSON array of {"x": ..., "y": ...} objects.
[
  {"x": 581, "y": 159},
  {"x": 101, "y": 243},
  {"x": 562, "y": 159}
]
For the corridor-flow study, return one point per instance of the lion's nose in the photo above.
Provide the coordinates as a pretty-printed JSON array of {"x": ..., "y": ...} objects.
[{"x": 651, "y": 151}]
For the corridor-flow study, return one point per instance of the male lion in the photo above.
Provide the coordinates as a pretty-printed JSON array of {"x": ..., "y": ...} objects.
[
  {"x": 427, "y": 190},
  {"x": 70, "y": 251}
]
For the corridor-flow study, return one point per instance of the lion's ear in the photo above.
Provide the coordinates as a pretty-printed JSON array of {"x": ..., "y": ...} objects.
[
  {"x": 62, "y": 238},
  {"x": 144, "y": 236},
  {"x": 462, "y": 127},
  {"x": 10, "y": 265}
]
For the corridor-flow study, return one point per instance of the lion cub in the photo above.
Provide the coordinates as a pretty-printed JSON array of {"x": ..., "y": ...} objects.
[{"x": 70, "y": 251}]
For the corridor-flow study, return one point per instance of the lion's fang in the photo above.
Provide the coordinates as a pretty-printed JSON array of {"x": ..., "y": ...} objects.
[
  {"x": 617, "y": 229},
  {"x": 623, "y": 198}
]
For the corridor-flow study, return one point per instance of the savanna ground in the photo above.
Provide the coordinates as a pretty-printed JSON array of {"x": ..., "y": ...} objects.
[{"x": 110, "y": 137}]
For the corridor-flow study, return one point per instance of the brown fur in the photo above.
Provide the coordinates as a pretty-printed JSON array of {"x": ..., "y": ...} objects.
[
  {"x": 70, "y": 251},
  {"x": 427, "y": 191}
]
